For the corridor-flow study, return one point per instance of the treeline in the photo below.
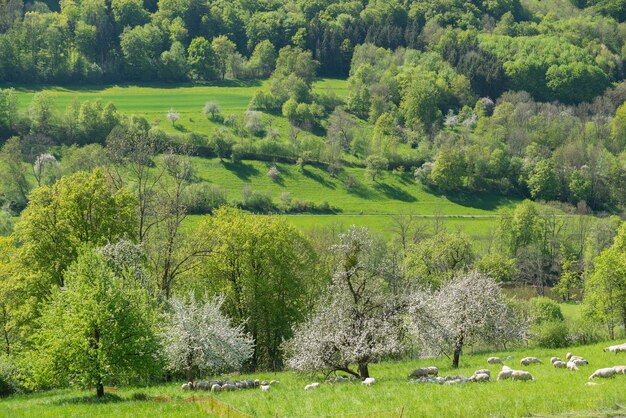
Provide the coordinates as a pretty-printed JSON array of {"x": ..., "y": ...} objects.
[
  {"x": 128, "y": 40},
  {"x": 93, "y": 276}
]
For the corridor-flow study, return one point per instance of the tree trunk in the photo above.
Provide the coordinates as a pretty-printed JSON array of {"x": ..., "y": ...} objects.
[
  {"x": 100, "y": 390},
  {"x": 458, "y": 347},
  {"x": 363, "y": 371}
]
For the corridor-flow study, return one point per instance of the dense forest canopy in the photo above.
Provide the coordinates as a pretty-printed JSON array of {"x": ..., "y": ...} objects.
[{"x": 497, "y": 44}]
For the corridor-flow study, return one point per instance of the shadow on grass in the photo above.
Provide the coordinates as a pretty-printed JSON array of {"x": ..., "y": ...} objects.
[
  {"x": 476, "y": 200},
  {"x": 318, "y": 178},
  {"x": 394, "y": 192},
  {"x": 241, "y": 170},
  {"x": 92, "y": 399},
  {"x": 361, "y": 191}
]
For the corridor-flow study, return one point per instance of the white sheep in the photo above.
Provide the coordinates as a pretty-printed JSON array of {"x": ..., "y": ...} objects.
[
  {"x": 559, "y": 364},
  {"x": 479, "y": 377},
  {"x": 494, "y": 360},
  {"x": 603, "y": 373},
  {"x": 425, "y": 371},
  {"x": 187, "y": 386},
  {"x": 216, "y": 388},
  {"x": 579, "y": 361},
  {"x": 616, "y": 348},
  {"x": 369, "y": 381},
  {"x": 312, "y": 386},
  {"x": 620, "y": 369},
  {"x": 530, "y": 360},
  {"x": 483, "y": 371},
  {"x": 555, "y": 359},
  {"x": 568, "y": 356},
  {"x": 265, "y": 388},
  {"x": 521, "y": 375},
  {"x": 571, "y": 366},
  {"x": 505, "y": 373}
]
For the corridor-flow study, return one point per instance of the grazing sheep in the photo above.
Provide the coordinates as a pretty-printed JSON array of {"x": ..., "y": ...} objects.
[
  {"x": 369, "y": 381},
  {"x": 425, "y": 371},
  {"x": 620, "y": 369},
  {"x": 559, "y": 364},
  {"x": 568, "y": 356},
  {"x": 216, "y": 388},
  {"x": 603, "y": 373},
  {"x": 312, "y": 386},
  {"x": 616, "y": 348},
  {"x": 483, "y": 371},
  {"x": 494, "y": 360},
  {"x": 530, "y": 360},
  {"x": 579, "y": 361},
  {"x": 202, "y": 385},
  {"x": 229, "y": 387},
  {"x": 521, "y": 375},
  {"x": 265, "y": 388},
  {"x": 555, "y": 359},
  {"x": 256, "y": 382},
  {"x": 571, "y": 366},
  {"x": 479, "y": 377},
  {"x": 505, "y": 373},
  {"x": 187, "y": 386}
]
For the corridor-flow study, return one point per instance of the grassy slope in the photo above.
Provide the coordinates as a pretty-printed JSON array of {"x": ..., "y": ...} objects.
[
  {"x": 370, "y": 206},
  {"x": 154, "y": 101},
  {"x": 553, "y": 392}
]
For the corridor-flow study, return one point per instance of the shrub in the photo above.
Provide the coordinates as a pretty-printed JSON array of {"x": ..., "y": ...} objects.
[
  {"x": 543, "y": 309},
  {"x": 203, "y": 198},
  {"x": 273, "y": 173},
  {"x": 8, "y": 376},
  {"x": 352, "y": 183},
  {"x": 550, "y": 334},
  {"x": 256, "y": 201}
]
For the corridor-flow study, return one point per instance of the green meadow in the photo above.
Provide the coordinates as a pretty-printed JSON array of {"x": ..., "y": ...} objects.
[
  {"x": 555, "y": 392},
  {"x": 153, "y": 101}
]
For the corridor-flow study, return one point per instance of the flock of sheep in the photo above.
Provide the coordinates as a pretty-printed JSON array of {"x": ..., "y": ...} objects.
[
  {"x": 229, "y": 385},
  {"x": 430, "y": 374}
]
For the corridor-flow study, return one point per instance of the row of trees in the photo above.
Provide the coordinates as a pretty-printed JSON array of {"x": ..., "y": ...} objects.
[{"x": 100, "y": 260}]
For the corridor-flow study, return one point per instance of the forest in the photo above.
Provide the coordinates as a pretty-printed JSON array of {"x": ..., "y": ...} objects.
[{"x": 165, "y": 167}]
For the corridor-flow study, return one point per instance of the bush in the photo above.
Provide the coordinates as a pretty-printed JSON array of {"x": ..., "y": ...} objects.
[
  {"x": 585, "y": 331},
  {"x": 255, "y": 201},
  {"x": 543, "y": 309},
  {"x": 202, "y": 198},
  {"x": 8, "y": 376},
  {"x": 550, "y": 334}
]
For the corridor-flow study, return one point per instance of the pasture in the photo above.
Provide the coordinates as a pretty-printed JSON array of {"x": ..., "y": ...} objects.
[
  {"x": 153, "y": 101},
  {"x": 556, "y": 392}
]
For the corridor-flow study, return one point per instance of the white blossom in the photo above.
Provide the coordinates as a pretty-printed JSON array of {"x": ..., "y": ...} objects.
[
  {"x": 355, "y": 323},
  {"x": 273, "y": 173},
  {"x": 42, "y": 163},
  {"x": 173, "y": 116},
  {"x": 467, "y": 310},
  {"x": 199, "y": 336}
]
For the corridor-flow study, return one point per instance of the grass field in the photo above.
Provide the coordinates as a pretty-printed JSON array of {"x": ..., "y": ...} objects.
[
  {"x": 372, "y": 205},
  {"x": 154, "y": 101},
  {"x": 391, "y": 194},
  {"x": 556, "y": 392}
]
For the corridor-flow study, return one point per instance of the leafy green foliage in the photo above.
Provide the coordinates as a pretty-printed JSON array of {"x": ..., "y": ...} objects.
[
  {"x": 96, "y": 329},
  {"x": 77, "y": 210}
]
